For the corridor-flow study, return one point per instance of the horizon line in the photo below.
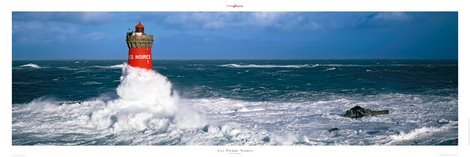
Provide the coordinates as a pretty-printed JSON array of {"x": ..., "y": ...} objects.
[{"x": 241, "y": 59}]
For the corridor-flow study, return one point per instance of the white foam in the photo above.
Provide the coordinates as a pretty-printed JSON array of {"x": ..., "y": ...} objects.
[
  {"x": 288, "y": 139},
  {"x": 413, "y": 133},
  {"x": 67, "y": 68},
  {"x": 117, "y": 66},
  {"x": 43, "y": 104},
  {"x": 244, "y": 109},
  {"x": 419, "y": 134},
  {"x": 31, "y": 65},
  {"x": 90, "y": 83},
  {"x": 146, "y": 100},
  {"x": 147, "y": 111},
  {"x": 330, "y": 69}
]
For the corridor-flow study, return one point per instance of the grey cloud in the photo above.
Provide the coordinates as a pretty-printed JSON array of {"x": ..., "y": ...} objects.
[{"x": 66, "y": 17}]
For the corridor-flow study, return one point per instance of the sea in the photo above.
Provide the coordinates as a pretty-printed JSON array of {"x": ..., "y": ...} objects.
[{"x": 234, "y": 102}]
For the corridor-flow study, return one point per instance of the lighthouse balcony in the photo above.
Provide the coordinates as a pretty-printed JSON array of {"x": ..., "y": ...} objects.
[
  {"x": 139, "y": 37},
  {"x": 139, "y": 43},
  {"x": 143, "y": 41}
]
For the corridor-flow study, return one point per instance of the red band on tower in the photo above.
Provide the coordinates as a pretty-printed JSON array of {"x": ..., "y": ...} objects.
[{"x": 140, "y": 48}]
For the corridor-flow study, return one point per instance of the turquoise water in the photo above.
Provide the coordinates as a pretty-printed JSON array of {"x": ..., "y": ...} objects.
[{"x": 265, "y": 102}]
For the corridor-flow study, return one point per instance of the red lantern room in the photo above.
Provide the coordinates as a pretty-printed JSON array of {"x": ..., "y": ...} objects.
[{"x": 139, "y": 27}]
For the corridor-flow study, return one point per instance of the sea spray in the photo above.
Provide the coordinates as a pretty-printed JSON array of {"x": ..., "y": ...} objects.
[{"x": 146, "y": 101}]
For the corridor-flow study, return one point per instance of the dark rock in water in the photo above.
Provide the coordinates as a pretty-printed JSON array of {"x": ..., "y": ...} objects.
[
  {"x": 205, "y": 128},
  {"x": 266, "y": 139},
  {"x": 333, "y": 130},
  {"x": 359, "y": 112}
]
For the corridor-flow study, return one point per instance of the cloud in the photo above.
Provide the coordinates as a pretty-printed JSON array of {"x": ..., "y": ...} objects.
[
  {"x": 94, "y": 17},
  {"x": 48, "y": 27},
  {"x": 213, "y": 25},
  {"x": 94, "y": 36},
  {"x": 18, "y": 26},
  {"x": 201, "y": 20},
  {"x": 253, "y": 20},
  {"x": 382, "y": 19},
  {"x": 265, "y": 18},
  {"x": 392, "y": 16},
  {"x": 82, "y": 18},
  {"x": 313, "y": 26}
]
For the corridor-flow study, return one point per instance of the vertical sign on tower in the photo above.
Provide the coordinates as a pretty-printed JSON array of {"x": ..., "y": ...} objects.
[{"x": 140, "y": 48}]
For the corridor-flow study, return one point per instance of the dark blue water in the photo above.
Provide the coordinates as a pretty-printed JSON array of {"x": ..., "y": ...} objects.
[
  {"x": 256, "y": 80},
  {"x": 245, "y": 102}
]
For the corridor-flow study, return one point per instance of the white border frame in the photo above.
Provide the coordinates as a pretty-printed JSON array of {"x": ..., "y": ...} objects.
[{"x": 461, "y": 6}]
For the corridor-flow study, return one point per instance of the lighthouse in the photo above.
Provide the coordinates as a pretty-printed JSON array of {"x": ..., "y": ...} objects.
[{"x": 140, "y": 48}]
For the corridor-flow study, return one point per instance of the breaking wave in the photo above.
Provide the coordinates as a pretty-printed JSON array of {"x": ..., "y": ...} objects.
[
  {"x": 31, "y": 65},
  {"x": 421, "y": 135},
  {"x": 144, "y": 100},
  {"x": 330, "y": 69},
  {"x": 117, "y": 66}
]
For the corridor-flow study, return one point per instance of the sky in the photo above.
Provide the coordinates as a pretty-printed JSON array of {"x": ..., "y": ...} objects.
[{"x": 238, "y": 35}]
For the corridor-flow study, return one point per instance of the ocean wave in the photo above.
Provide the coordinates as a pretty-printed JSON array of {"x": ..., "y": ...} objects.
[
  {"x": 330, "y": 69},
  {"x": 421, "y": 134},
  {"x": 117, "y": 66},
  {"x": 145, "y": 101},
  {"x": 311, "y": 65},
  {"x": 414, "y": 133},
  {"x": 90, "y": 83},
  {"x": 268, "y": 66},
  {"x": 67, "y": 68},
  {"x": 386, "y": 65},
  {"x": 145, "y": 110},
  {"x": 328, "y": 65},
  {"x": 310, "y": 120},
  {"x": 31, "y": 65},
  {"x": 367, "y": 65}
]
